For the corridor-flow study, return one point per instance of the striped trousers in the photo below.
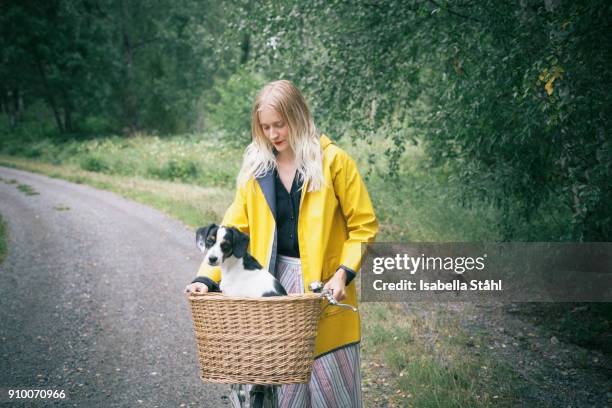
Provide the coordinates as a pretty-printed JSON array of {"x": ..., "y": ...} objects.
[{"x": 336, "y": 379}]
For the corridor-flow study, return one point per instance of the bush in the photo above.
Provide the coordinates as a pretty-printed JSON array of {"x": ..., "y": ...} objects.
[
  {"x": 94, "y": 163},
  {"x": 176, "y": 170}
]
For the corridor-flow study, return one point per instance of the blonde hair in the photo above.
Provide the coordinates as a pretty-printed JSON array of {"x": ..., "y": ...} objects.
[{"x": 288, "y": 102}]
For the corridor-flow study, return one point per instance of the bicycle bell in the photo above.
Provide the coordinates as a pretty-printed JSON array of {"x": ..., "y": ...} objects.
[{"x": 316, "y": 286}]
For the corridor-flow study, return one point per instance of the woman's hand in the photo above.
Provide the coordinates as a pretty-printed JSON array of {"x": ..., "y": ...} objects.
[
  {"x": 337, "y": 285},
  {"x": 197, "y": 287}
]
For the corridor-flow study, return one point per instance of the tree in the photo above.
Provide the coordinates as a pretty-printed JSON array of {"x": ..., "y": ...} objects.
[
  {"x": 511, "y": 98},
  {"x": 53, "y": 51}
]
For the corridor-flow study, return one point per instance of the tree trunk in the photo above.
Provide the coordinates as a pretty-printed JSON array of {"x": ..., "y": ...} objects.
[
  {"x": 7, "y": 107},
  {"x": 67, "y": 114},
  {"x": 49, "y": 96},
  {"x": 130, "y": 110},
  {"x": 245, "y": 44},
  {"x": 19, "y": 108},
  {"x": 14, "y": 106},
  {"x": 245, "y": 47},
  {"x": 11, "y": 103}
]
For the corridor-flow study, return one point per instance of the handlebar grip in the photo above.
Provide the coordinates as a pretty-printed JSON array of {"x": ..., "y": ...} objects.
[{"x": 317, "y": 287}]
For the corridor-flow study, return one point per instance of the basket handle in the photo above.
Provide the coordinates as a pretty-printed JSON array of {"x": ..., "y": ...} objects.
[{"x": 199, "y": 295}]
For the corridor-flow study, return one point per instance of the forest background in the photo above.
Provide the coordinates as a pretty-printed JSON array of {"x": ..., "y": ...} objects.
[{"x": 511, "y": 101}]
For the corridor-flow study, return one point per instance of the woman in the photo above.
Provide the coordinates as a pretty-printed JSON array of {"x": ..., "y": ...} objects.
[{"x": 307, "y": 211}]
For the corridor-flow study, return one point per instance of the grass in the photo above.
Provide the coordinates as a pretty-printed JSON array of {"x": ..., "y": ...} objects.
[
  {"x": 27, "y": 189},
  {"x": 193, "y": 205},
  {"x": 420, "y": 205},
  {"x": 188, "y": 158},
  {"x": 424, "y": 359}
]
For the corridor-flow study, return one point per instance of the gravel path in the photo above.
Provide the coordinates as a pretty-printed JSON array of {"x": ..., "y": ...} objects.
[
  {"x": 91, "y": 299},
  {"x": 547, "y": 372},
  {"x": 553, "y": 373}
]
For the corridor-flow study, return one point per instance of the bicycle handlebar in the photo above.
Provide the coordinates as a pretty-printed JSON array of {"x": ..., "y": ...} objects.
[{"x": 317, "y": 287}]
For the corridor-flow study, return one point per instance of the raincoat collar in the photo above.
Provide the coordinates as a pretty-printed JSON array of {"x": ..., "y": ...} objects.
[{"x": 266, "y": 182}]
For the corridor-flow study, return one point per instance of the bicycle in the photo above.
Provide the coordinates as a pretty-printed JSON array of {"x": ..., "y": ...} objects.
[{"x": 266, "y": 396}]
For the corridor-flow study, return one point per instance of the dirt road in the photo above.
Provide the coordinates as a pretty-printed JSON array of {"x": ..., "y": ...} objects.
[{"x": 91, "y": 302}]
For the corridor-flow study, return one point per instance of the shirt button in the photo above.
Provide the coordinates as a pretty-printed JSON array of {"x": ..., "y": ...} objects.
[{"x": 291, "y": 236}]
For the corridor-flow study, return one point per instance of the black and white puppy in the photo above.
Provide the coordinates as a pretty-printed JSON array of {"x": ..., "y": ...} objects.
[{"x": 241, "y": 274}]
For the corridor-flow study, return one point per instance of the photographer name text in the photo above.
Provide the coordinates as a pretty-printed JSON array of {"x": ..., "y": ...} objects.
[{"x": 455, "y": 285}]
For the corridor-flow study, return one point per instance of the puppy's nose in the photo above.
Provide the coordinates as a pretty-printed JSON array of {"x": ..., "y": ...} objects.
[{"x": 212, "y": 259}]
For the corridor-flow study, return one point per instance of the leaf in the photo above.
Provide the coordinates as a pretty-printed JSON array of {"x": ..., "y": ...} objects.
[{"x": 549, "y": 86}]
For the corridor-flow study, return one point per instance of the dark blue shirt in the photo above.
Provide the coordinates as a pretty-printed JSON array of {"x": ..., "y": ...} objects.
[{"x": 287, "y": 212}]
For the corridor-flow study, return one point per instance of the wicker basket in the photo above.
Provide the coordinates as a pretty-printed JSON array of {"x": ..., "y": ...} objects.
[{"x": 256, "y": 340}]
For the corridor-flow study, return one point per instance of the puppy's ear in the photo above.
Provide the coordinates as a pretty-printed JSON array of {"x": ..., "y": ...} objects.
[
  {"x": 201, "y": 235},
  {"x": 240, "y": 242}
]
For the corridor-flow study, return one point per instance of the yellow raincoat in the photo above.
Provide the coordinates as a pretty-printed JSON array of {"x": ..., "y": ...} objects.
[{"x": 333, "y": 224}]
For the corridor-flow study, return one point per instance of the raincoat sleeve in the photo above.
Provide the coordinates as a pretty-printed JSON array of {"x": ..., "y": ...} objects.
[
  {"x": 357, "y": 209},
  {"x": 236, "y": 216}
]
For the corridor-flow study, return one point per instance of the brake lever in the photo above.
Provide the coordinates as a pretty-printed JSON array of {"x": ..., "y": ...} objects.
[{"x": 317, "y": 287}]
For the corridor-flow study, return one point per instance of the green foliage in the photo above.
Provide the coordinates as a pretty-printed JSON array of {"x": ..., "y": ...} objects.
[
  {"x": 187, "y": 158},
  {"x": 511, "y": 119},
  {"x": 509, "y": 101},
  {"x": 57, "y": 52},
  {"x": 94, "y": 163},
  {"x": 184, "y": 170},
  {"x": 229, "y": 112},
  {"x": 420, "y": 203},
  {"x": 128, "y": 65},
  {"x": 27, "y": 189}
]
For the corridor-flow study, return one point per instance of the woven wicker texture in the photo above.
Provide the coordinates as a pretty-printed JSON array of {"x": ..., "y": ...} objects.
[{"x": 256, "y": 340}]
